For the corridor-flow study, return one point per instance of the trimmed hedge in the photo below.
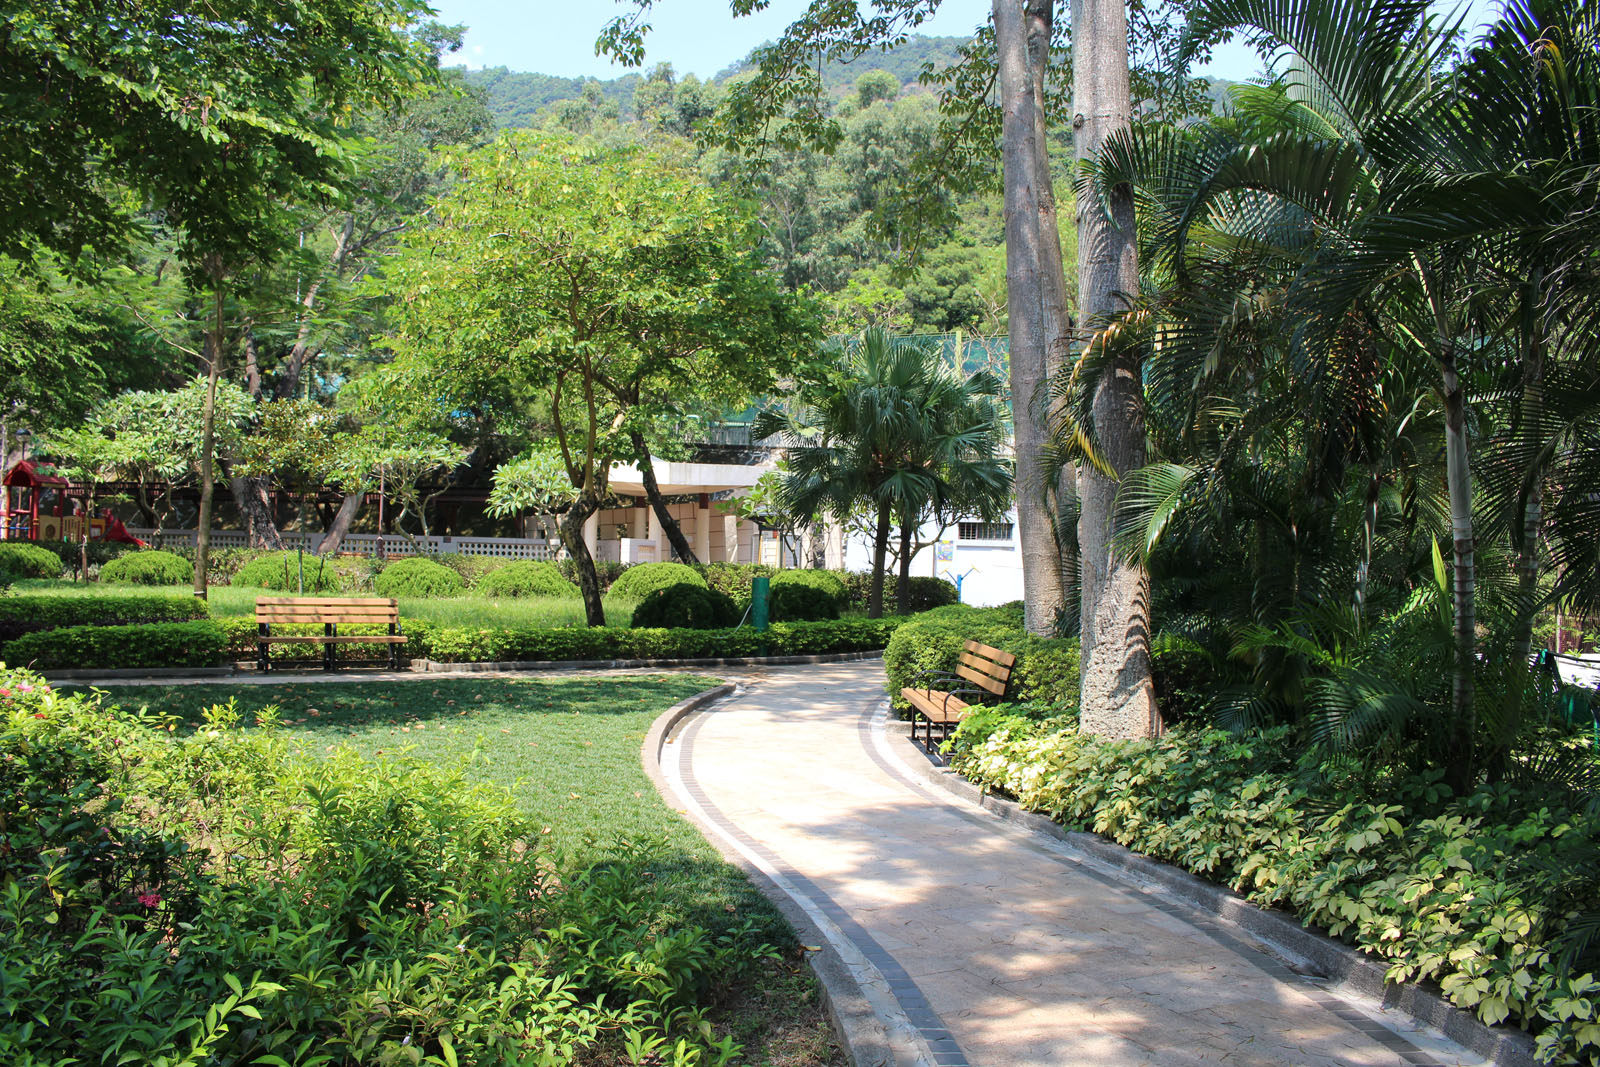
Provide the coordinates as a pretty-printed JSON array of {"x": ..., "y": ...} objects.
[
  {"x": 280, "y": 571},
  {"x": 150, "y": 567},
  {"x": 642, "y": 579},
  {"x": 797, "y": 601},
  {"x": 29, "y": 614},
  {"x": 686, "y": 605},
  {"x": 459, "y": 644},
  {"x": 926, "y": 593},
  {"x": 418, "y": 576},
  {"x": 824, "y": 581},
  {"x": 20, "y": 559},
  {"x": 526, "y": 578},
  {"x": 1046, "y": 669},
  {"x": 162, "y": 644},
  {"x": 734, "y": 579},
  {"x": 472, "y": 567}
]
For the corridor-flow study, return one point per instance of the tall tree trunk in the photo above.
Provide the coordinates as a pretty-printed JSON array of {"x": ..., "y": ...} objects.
[
  {"x": 1118, "y": 695},
  {"x": 572, "y": 539},
  {"x": 880, "y": 549},
  {"x": 349, "y": 507},
  {"x": 652, "y": 491},
  {"x": 255, "y": 508},
  {"x": 1036, "y": 301},
  {"x": 208, "y": 438},
  {"x": 902, "y": 585},
  {"x": 1530, "y": 418},
  {"x": 1461, "y": 764},
  {"x": 1369, "y": 534}
]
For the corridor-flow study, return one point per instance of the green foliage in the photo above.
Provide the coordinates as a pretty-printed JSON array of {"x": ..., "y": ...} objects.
[
  {"x": 418, "y": 576},
  {"x": 642, "y": 579},
  {"x": 149, "y": 567},
  {"x": 20, "y": 559},
  {"x": 795, "y": 601},
  {"x": 472, "y": 568},
  {"x": 485, "y": 645},
  {"x": 734, "y": 579},
  {"x": 160, "y": 644},
  {"x": 686, "y": 605},
  {"x": 1046, "y": 669},
  {"x": 1470, "y": 892},
  {"x": 525, "y": 578},
  {"x": 284, "y": 572},
  {"x": 606, "y": 570},
  {"x": 826, "y": 582},
  {"x": 27, "y": 614}
]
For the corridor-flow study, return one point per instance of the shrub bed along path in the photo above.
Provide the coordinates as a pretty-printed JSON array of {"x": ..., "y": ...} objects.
[{"x": 982, "y": 944}]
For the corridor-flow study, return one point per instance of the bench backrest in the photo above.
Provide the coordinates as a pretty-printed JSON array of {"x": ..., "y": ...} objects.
[
  {"x": 334, "y": 609},
  {"x": 987, "y": 667}
]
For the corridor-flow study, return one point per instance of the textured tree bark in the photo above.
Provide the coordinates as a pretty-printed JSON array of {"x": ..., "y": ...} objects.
[
  {"x": 1530, "y": 417},
  {"x": 1118, "y": 695},
  {"x": 573, "y": 541},
  {"x": 1461, "y": 763},
  {"x": 208, "y": 438},
  {"x": 349, "y": 508},
  {"x": 1036, "y": 298},
  {"x": 255, "y": 508},
  {"x": 902, "y": 586},
  {"x": 652, "y": 491},
  {"x": 880, "y": 549}
]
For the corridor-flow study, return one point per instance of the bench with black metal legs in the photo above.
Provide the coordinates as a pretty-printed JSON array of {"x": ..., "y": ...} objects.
[
  {"x": 941, "y": 698},
  {"x": 331, "y": 613}
]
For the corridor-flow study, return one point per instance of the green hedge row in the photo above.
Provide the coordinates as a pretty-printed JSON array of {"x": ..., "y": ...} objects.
[
  {"x": 29, "y": 614},
  {"x": 1046, "y": 668},
  {"x": 1474, "y": 893},
  {"x": 161, "y": 644}
]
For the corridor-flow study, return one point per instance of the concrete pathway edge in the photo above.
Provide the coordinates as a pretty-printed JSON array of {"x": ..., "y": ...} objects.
[
  {"x": 1341, "y": 964},
  {"x": 867, "y": 1042}
]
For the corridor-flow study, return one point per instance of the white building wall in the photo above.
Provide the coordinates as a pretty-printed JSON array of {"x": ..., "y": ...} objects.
[{"x": 990, "y": 570}]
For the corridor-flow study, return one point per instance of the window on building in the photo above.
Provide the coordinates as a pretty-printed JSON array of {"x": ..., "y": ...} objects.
[{"x": 985, "y": 531}]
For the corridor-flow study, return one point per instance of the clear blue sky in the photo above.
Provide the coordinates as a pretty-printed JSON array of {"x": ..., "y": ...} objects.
[{"x": 695, "y": 36}]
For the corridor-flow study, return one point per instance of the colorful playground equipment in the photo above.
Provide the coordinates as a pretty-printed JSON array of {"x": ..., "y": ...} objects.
[{"x": 46, "y": 507}]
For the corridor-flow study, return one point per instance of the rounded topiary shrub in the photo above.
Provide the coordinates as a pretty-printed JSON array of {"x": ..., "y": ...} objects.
[
  {"x": 526, "y": 578},
  {"x": 642, "y": 579},
  {"x": 21, "y": 560},
  {"x": 151, "y": 567},
  {"x": 418, "y": 576},
  {"x": 686, "y": 606},
  {"x": 826, "y": 581},
  {"x": 797, "y": 602},
  {"x": 281, "y": 572}
]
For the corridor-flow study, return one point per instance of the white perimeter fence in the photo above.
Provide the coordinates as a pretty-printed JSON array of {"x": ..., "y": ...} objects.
[{"x": 370, "y": 544}]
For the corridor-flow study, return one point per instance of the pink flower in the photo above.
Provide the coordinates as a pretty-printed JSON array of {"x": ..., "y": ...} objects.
[{"x": 150, "y": 900}]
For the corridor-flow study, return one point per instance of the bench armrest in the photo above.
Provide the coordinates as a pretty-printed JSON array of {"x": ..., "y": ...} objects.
[{"x": 921, "y": 679}]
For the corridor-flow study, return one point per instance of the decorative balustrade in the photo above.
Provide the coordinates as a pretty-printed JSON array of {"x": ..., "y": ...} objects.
[{"x": 370, "y": 544}]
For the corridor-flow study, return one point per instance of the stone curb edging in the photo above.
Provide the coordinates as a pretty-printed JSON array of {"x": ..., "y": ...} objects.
[
  {"x": 138, "y": 672},
  {"x": 861, "y": 1033},
  {"x": 428, "y": 666},
  {"x": 1307, "y": 949}
]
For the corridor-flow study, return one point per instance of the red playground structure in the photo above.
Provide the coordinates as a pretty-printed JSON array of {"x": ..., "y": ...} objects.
[{"x": 36, "y": 509}]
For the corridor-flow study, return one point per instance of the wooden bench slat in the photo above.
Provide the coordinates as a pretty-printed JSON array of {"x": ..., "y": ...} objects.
[
  {"x": 982, "y": 665},
  {"x": 992, "y": 669},
  {"x": 335, "y": 639},
  {"x": 335, "y": 601},
  {"x": 1003, "y": 658},
  {"x": 998, "y": 688},
  {"x": 330, "y": 613}
]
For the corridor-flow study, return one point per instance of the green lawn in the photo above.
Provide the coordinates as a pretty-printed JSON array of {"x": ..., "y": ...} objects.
[
  {"x": 532, "y": 612},
  {"x": 569, "y": 751}
]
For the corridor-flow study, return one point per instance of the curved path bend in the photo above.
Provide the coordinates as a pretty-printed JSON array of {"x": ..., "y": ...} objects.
[{"x": 978, "y": 942}]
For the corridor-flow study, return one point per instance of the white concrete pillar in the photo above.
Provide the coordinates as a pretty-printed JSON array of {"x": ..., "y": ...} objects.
[
  {"x": 591, "y": 533},
  {"x": 639, "y": 520},
  {"x": 702, "y": 529},
  {"x": 730, "y": 538}
]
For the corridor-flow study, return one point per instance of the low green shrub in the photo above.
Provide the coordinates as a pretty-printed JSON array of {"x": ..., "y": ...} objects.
[
  {"x": 1046, "y": 668},
  {"x": 472, "y": 567},
  {"x": 382, "y": 912},
  {"x": 149, "y": 567},
  {"x": 420, "y": 577},
  {"x": 160, "y": 644},
  {"x": 221, "y": 563},
  {"x": 826, "y": 581},
  {"x": 734, "y": 579},
  {"x": 285, "y": 571},
  {"x": 525, "y": 578},
  {"x": 21, "y": 559},
  {"x": 1469, "y": 892},
  {"x": 686, "y": 605},
  {"x": 27, "y": 614},
  {"x": 642, "y": 579},
  {"x": 606, "y": 570},
  {"x": 458, "y": 644},
  {"x": 99, "y": 553},
  {"x": 797, "y": 601},
  {"x": 925, "y": 593}
]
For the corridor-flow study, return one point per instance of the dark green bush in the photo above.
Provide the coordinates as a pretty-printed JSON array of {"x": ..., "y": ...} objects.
[
  {"x": 160, "y": 644},
  {"x": 99, "y": 552},
  {"x": 826, "y": 581},
  {"x": 221, "y": 563},
  {"x": 642, "y": 579},
  {"x": 606, "y": 570},
  {"x": 472, "y": 567},
  {"x": 459, "y": 644},
  {"x": 686, "y": 605},
  {"x": 796, "y": 602},
  {"x": 1046, "y": 669},
  {"x": 525, "y": 578},
  {"x": 27, "y": 614},
  {"x": 149, "y": 567},
  {"x": 283, "y": 571},
  {"x": 420, "y": 577},
  {"x": 734, "y": 578},
  {"x": 926, "y": 592},
  {"x": 23, "y": 560}
]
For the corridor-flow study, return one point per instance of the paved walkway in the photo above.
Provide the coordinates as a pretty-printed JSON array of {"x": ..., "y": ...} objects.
[{"x": 982, "y": 943}]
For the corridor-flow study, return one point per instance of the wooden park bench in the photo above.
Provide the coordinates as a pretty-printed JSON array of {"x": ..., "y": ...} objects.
[
  {"x": 332, "y": 613},
  {"x": 985, "y": 670}
]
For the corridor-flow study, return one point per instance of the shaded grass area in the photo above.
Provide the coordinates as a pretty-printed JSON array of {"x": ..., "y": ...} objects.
[
  {"x": 229, "y": 600},
  {"x": 568, "y": 749}
]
